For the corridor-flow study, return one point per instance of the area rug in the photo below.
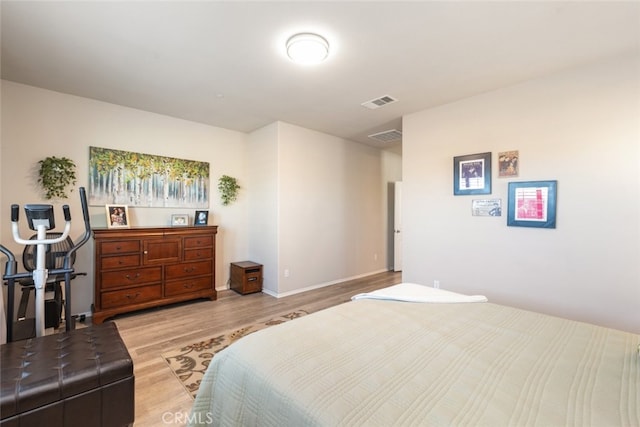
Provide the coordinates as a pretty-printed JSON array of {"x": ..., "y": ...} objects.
[{"x": 189, "y": 363}]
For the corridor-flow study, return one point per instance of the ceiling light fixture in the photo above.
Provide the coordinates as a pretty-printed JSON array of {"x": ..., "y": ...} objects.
[{"x": 307, "y": 48}]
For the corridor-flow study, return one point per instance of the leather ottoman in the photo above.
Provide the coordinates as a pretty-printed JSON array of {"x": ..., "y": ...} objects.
[{"x": 82, "y": 377}]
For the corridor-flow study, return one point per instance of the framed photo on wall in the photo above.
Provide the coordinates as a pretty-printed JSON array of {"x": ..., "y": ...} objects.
[
  {"x": 532, "y": 204},
  {"x": 201, "y": 218},
  {"x": 117, "y": 216},
  {"x": 472, "y": 174},
  {"x": 486, "y": 207},
  {"x": 508, "y": 164}
]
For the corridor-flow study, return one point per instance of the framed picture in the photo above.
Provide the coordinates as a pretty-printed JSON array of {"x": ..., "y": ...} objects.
[
  {"x": 532, "y": 204},
  {"x": 117, "y": 216},
  {"x": 472, "y": 174},
  {"x": 139, "y": 167},
  {"x": 486, "y": 207},
  {"x": 179, "y": 220},
  {"x": 201, "y": 218},
  {"x": 508, "y": 164}
]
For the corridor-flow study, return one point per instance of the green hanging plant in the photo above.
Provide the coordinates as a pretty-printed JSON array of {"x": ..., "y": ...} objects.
[
  {"x": 55, "y": 175},
  {"x": 228, "y": 187}
]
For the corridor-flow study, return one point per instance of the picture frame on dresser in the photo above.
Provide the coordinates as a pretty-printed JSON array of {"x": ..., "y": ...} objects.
[
  {"x": 179, "y": 220},
  {"x": 201, "y": 218},
  {"x": 117, "y": 216}
]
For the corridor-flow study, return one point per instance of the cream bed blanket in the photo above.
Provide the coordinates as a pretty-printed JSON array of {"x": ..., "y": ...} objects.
[
  {"x": 412, "y": 292},
  {"x": 374, "y": 362}
]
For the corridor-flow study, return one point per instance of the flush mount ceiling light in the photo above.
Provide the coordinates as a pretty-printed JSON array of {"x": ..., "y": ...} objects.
[{"x": 307, "y": 48}]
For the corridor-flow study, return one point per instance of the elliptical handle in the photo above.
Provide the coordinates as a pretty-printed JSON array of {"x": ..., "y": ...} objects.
[
  {"x": 87, "y": 229},
  {"x": 85, "y": 208},
  {"x": 10, "y": 268},
  {"x": 67, "y": 212},
  {"x": 15, "y": 213}
]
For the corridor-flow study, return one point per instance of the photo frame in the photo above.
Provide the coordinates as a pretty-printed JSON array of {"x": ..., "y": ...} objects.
[
  {"x": 472, "y": 174},
  {"x": 532, "y": 204},
  {"x": 486, "y": 207},
  {"x": 179, "y": 220},
  {"x": 201, "y": 218},
  {"x": 117, "y": 216},
  {"x": 508, "y": 164}
]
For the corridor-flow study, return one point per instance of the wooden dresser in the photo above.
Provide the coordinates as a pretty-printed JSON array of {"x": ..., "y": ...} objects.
[{"x": 139, "y": 268}]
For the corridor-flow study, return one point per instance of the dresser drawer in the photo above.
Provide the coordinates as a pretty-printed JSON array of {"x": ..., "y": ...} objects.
[
  {"x": 187, "y": 269},
  {"x": 198, "y": 242},
  {"x": 186, "y": 286},
  {"x": 137, "y": 276},
  {"x": 123, "y": 261},
  {"x": 131, "y": 296},
  {"x": 196, "y": 254},
  {"x": 120, "y": 247},
  {"x": 161, "y": 251}
]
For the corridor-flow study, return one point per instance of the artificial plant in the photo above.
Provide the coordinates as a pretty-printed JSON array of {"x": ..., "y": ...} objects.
[
  {"x": 228, "y": 187},
  {"x": 55, "y": 175}
]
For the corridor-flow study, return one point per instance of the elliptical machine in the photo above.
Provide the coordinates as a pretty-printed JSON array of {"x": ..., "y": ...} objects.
[{"x": 41, "y": 219}]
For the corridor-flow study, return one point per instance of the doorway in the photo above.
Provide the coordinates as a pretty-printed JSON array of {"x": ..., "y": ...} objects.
[{"x": 397, "y": 226}]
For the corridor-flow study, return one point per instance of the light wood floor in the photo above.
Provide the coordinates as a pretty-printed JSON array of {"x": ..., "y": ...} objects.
[{"x": 160, "y": 398}]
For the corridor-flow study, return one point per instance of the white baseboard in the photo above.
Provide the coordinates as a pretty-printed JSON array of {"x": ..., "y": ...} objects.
[{"x": 320, "y": 285}]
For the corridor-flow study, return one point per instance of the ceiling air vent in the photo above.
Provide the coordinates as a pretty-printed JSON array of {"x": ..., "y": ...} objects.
[
  {"x": 379, "y": 102},
  {"x": 391, "y": 135}
]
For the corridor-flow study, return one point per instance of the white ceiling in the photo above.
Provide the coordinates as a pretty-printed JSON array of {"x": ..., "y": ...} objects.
[{"x": 223, "y": 63}]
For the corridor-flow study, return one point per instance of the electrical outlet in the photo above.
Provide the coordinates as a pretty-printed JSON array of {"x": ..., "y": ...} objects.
[
  {"x": 436, "y": 284},
  {"x": 286, "y": 272}
]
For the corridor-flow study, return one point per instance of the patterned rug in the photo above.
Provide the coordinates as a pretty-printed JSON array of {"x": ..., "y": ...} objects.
[{"x": 189, "y": 363}]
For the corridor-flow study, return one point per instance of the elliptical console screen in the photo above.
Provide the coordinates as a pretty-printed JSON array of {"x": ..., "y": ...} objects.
[{"x": 40, "y": 215}]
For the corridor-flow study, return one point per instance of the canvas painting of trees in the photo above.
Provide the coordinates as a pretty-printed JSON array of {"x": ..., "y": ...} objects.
[{"x": 146, "y": 180}]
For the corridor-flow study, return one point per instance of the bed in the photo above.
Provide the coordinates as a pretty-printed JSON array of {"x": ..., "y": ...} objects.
[{"x": 413, "y": 355}]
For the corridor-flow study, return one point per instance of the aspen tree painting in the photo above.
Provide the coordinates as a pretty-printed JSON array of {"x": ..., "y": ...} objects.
[{"x": 145, "y": 180}]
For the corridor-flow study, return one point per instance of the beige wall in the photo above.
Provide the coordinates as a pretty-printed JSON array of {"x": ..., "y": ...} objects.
[
  {"x": 263, "y": 205},
  {"x": 38, "y": 123},
  {"x": 309, "y": 202},
  {"x": 330, "y": 219},
  {"x": 581, "y": 128},
  {"x": 331, "y": 224}
]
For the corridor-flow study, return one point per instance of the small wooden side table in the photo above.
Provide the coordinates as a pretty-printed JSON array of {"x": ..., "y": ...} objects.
[{"x": 246, "y": 277}]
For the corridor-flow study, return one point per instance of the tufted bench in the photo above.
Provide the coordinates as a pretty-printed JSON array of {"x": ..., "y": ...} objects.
[{"x": 82, "y": 377}]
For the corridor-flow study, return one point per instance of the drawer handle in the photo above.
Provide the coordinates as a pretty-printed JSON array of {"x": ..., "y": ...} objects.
[
  {"x": 132, "y": 278},
  {"x": 118, "y": 248},
  {"x": 188, "y": 285},
  {"x": 129, "y": 296},
  {"x": 252, "y": 279},
  {"x": 190, "y": 269}
]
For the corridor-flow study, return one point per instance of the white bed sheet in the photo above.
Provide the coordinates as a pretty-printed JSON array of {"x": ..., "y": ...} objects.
[
  {"x": 412, "y": 292},
  {"x": 373, "y": 362}
]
